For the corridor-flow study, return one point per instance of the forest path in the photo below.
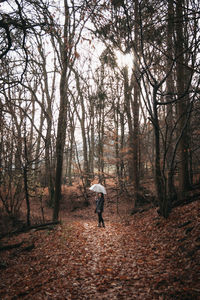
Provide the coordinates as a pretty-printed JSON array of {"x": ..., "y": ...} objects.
[
  {"x": 109, "y": 267},
  {"x": 121, "y": 262},
  {"x": 147, "y": 258}
]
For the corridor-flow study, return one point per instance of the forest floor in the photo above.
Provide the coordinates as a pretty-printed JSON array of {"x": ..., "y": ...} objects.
[{"x": 142, "y": 256}]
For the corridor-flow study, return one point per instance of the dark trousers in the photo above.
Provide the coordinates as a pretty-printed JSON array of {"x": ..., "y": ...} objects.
[{"x": 100, "y": 218}]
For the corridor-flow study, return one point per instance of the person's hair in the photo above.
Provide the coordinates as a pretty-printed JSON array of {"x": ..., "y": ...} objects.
[{"x": 102, "y": 195}]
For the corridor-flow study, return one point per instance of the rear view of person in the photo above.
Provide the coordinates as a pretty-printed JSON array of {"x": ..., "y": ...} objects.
[{"x": 99, "y": 209}]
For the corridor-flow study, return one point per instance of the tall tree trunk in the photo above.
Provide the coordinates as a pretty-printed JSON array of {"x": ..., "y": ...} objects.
[
  {"x": 91, "y": 151},
  {"x": 83, "y": 131},
  {"x": 25, "y": 175},
  {"x": 127, "y": 101},
  {"x": 60, "y": 143},
  {"x": 100, "y": 148},
  {"x": 38, "y": 145},
  {"x": 102, "y": 145},
  {"x": 116, "y": 143},
  {"x": 62, "y": 120},
  {"x": 1, "y": 141},
  {"x": 48, "y": 139},
  {"x": 170, "y": 92},
  {"x": 100, "y": 112},
  {"x": 48, "y": 165},
  {"x": 160, "y": 186},
  {"x": 136, "y": 110},
  {"x": 189, "y": 72},
  {"x": 182, "y": 107},
  {"x": 122, "y": 175},
  {"x": 70, "y": 151}
]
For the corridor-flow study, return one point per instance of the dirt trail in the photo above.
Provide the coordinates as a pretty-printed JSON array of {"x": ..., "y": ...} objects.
[
  {"x": 150, "y": 258},
  {"x": 105, "y": 256},
  {"x": 113, "y": 265},
  {"x": 103, "y": 273}
]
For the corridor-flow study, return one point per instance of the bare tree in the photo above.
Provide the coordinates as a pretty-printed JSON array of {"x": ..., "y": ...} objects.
[{"x": 73, "y": 26}]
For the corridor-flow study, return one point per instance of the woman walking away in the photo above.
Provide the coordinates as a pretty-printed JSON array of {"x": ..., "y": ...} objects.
[{"x": 99, "y": 209}]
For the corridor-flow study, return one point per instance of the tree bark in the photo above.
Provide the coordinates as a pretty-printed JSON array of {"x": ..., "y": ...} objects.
[
  {"x": 62, "y": 120},
  {"x": 136, "y": 109},
  {"x": 181, "y": 106},
  {"x": 25, "y": 174},
  {"x": 160, "y": 186},
  {"x": 91, "y": 150},
  {"x": 83, "y": 131},
  {"x": 127, "y": 101},
  {"x": 170, "y": 92}
]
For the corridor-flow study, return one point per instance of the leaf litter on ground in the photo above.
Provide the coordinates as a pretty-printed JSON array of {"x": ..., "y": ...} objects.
[{"x": 150, "y": 258}]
